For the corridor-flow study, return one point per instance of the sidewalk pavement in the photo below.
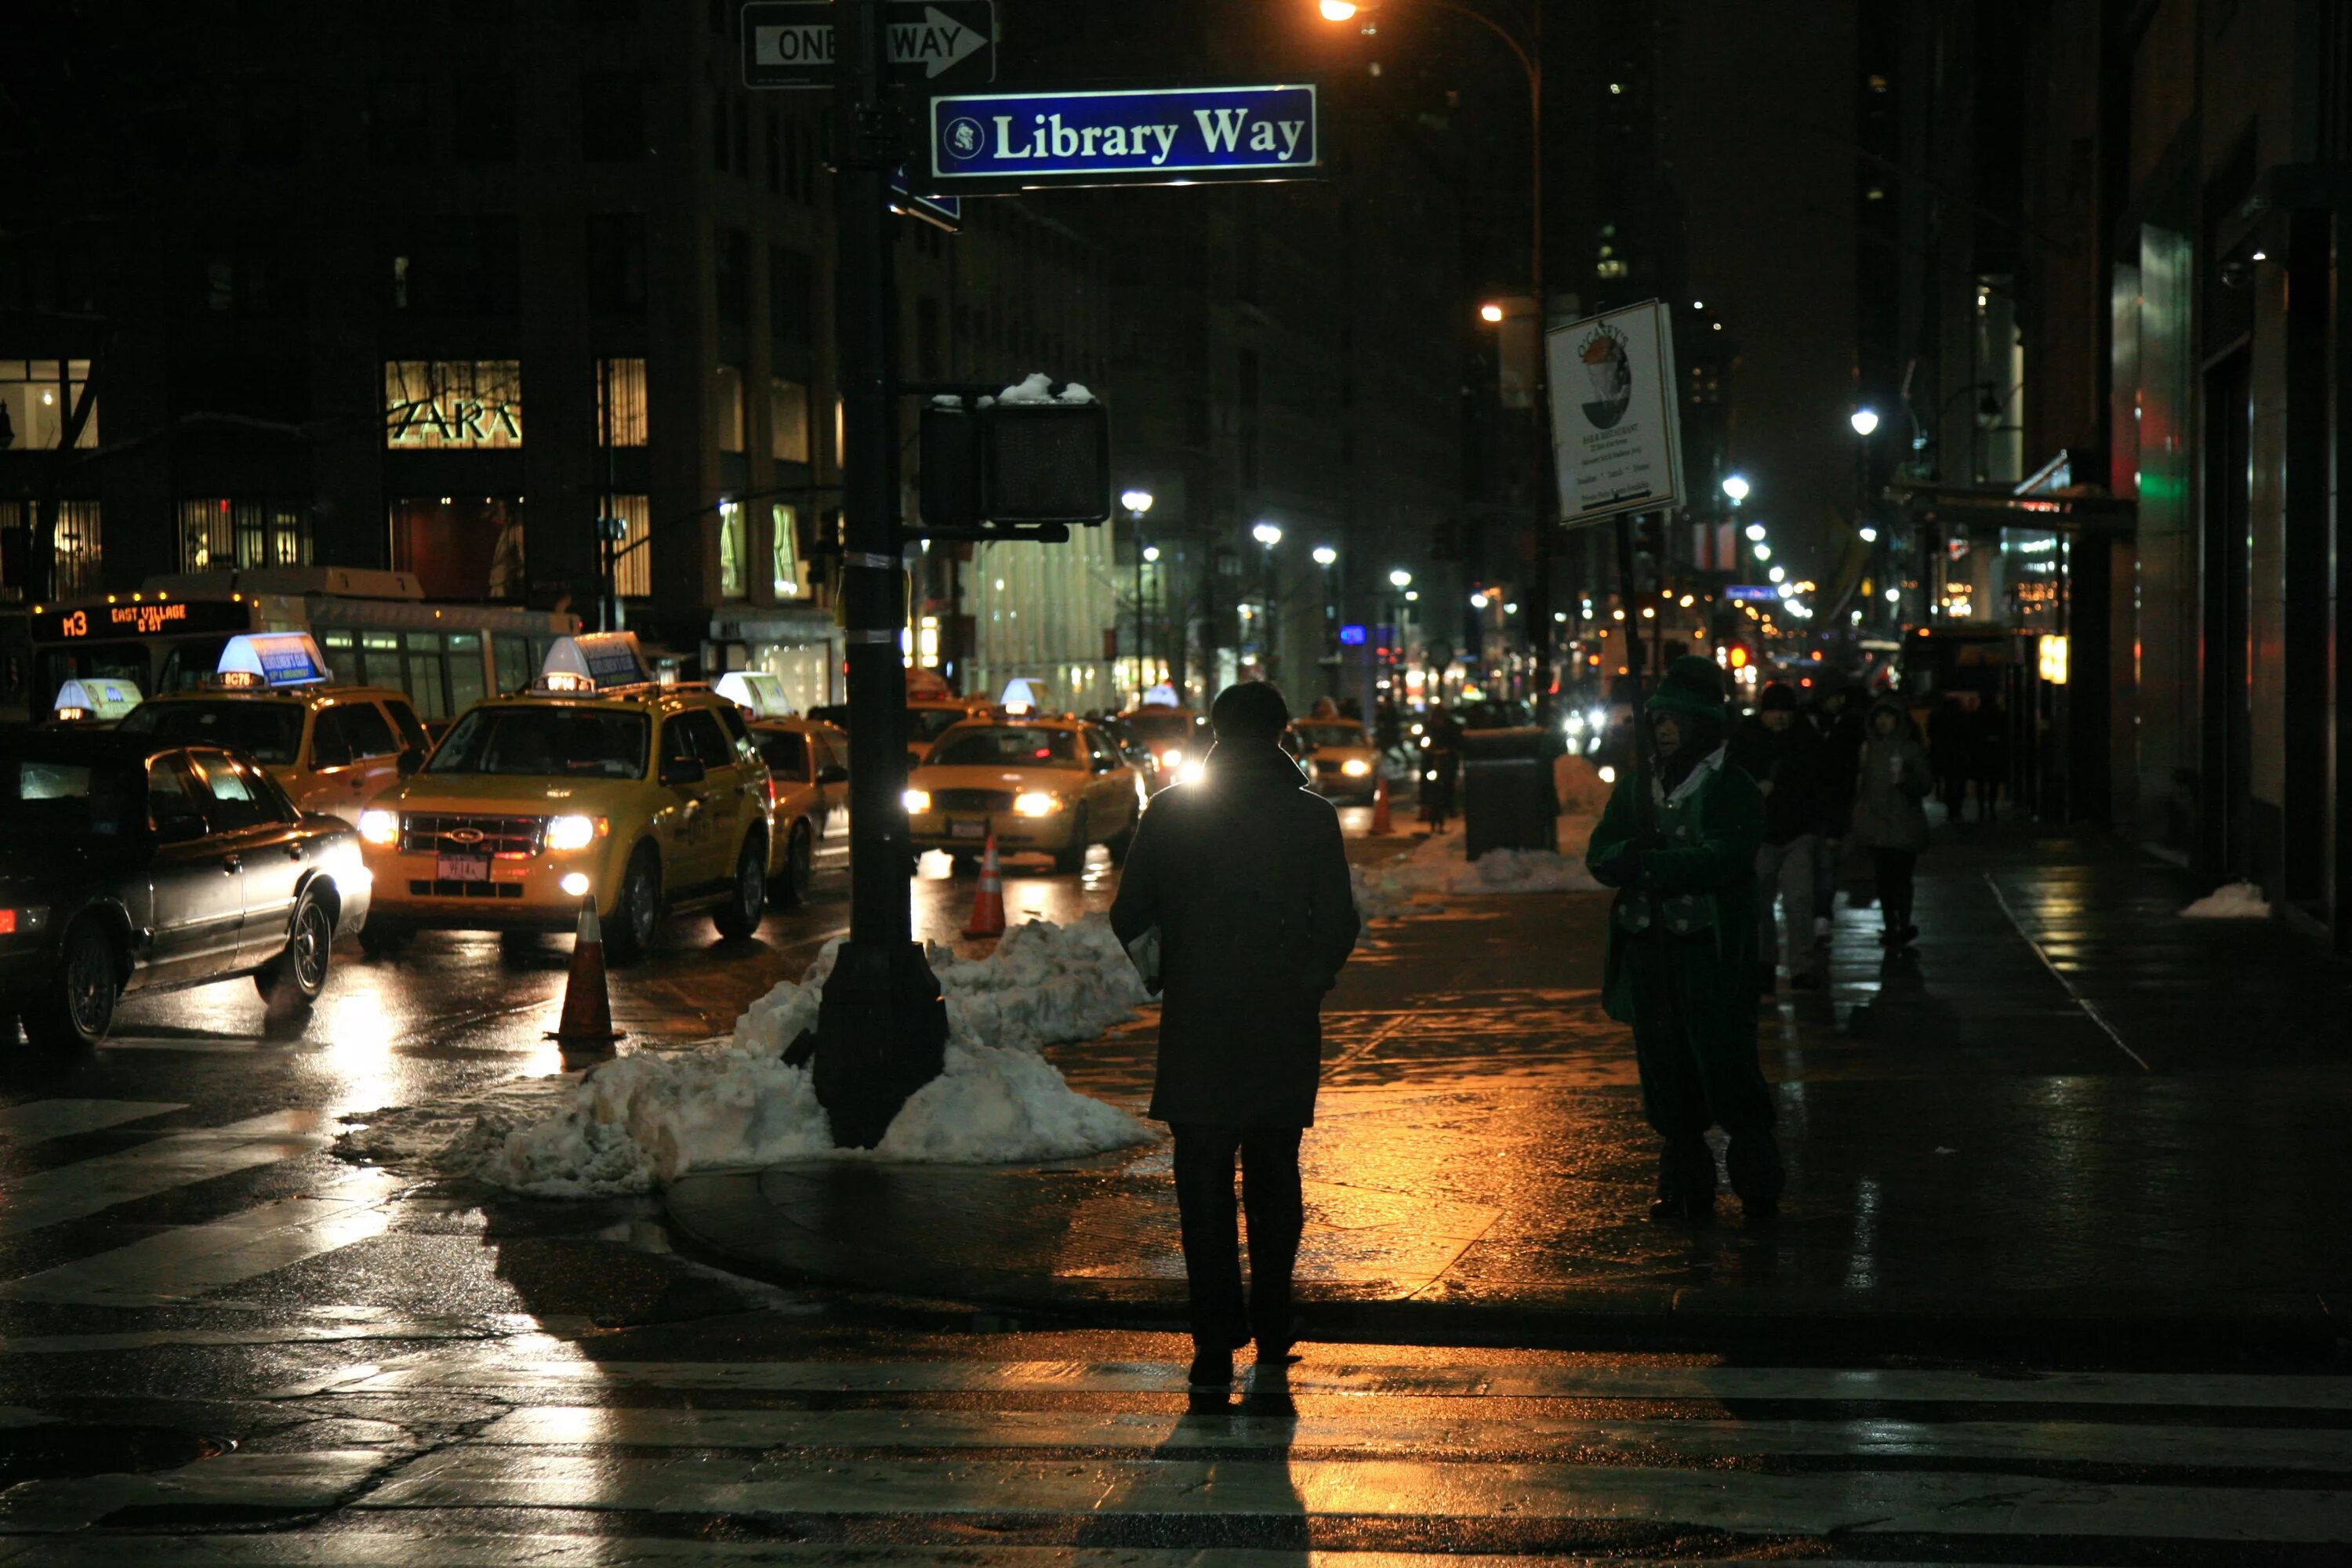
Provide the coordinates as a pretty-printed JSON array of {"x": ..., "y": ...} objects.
[{"x": 2069, "y": 1115}]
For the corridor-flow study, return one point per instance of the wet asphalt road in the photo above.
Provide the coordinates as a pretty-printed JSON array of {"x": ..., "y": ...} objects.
[{"x": 218, "y": 1343}]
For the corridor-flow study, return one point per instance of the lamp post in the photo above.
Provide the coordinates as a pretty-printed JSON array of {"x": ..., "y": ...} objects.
[
  {"x": 1325, "y": 557},
  {"x": 1268, "y": 535},
  {"x": 1137, "y": 503},
  {"x": 1544, "y": 506}
]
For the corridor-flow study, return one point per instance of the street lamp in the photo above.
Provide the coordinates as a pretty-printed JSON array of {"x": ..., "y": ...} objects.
[
  {"x": 1337, "y": 10},
  {"x": 1400, "y": 578},
  {"x": 1325, "y": 555},
  {"x": 1490, "y": 312},
  {"x": 1736, "y": 487},
  {"x": 1755, "y": 532},
  {"x": 1869, "y": 535},
  {"x": 1268, "y": 534},
  {"x": 1863, "y": 420},
  {"x": 1138, "y": 502},
  {"x": 1135, "y": 501}
]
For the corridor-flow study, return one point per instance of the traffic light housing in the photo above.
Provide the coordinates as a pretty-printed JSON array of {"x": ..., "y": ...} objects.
[{"x": 1014, "y": 470}]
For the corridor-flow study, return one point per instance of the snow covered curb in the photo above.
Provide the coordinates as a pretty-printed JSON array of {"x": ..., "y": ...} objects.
[
  {"x": 2230, "y": 901},
  {"x": 642, "y": 1119},
  {"x": 1434, "y": 865}
]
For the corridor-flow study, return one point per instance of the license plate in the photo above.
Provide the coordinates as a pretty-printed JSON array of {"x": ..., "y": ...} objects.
[
  {"x": 967, "y": 830},
  {"x": 462, "y": 869}
]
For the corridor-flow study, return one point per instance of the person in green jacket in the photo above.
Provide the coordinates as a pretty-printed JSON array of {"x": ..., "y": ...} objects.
[{"x": 1682, "y": 947}]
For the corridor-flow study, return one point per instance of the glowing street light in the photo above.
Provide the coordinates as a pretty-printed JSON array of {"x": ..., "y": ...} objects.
[
  {"x": 1490, "y": 312},
  {"x": 1338, "y": 10},
  {"x": 1863, "y": 420},
  {"x": 1152, "y": 552},
  {"x": 1755, "y": 532},
  {"x": 1400, "y": 578},
  {"x": 1268, "y": 534},
  {"x": 1136, "y": 502},
  {"x": 1870, "y": 536},
  {"x": 1894, "y": 595},
  {"x": 1777, "y": 573},
  {"x": 1477, "y": 601},
  {"x": 1325, "y": 555},
  {"x": 1763, "y": 552},
  {"x": 1736, "y": 487}
]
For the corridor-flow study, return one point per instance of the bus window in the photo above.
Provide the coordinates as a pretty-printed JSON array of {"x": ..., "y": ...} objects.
[
  {"x": 379, "y": 663},
  {"x": 424, "y": 681},
  {"x": 465, "y": 670},
  {"x": 190, "y": 663},
  {"x": 341, "y": 650},
  {"x": 53, "y": 667},
  {"x": 515, "y": 668}
]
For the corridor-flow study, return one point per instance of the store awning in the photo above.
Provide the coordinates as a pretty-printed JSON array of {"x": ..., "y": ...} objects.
[{"x": 2081, "y": 508}]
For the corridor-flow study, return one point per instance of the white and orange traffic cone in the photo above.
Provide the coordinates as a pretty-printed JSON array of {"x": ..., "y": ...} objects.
[
  {"x": 587, "y": 1021},
  {"x": 1381, "y": 824},
  {"x": 988, "y": 903}
]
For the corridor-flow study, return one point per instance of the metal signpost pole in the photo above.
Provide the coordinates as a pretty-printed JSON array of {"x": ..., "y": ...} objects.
[{"x": 881, "y": 1025}]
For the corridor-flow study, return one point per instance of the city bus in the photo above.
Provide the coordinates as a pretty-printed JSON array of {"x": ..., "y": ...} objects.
[{"x": 374, "y": 627}]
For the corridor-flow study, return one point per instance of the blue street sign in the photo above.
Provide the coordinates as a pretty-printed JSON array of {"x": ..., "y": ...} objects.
[
  {"x": 941, "y": 212},
  {"x": 1351, "y": 637},
  {"x": 1142, "y": 136},
  {"x": 1751, "y": 593}
]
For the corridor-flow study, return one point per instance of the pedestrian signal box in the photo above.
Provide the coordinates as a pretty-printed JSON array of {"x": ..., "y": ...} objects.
[{"x": 1014, "y": 470}]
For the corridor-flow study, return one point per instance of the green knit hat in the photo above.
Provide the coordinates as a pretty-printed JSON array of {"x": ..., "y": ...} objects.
[{"x": 1693, "y": 685}]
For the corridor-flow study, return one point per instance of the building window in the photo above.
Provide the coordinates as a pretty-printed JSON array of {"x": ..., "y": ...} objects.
[
  {"x": 788, "y": 430},
  {"x": 77, "y": 553},
  {"x": 217, "y": 534},
  {"x": 452, "y": 266},
  {"x": 36, "y": 397},
  {"x": 483, "y": 131},
  {"x": 734, "y": 274},
  {"x": 732, "y": 559},
  {"x": 616, "y": 263},
  {"x": 612, "y": 118},
  {"x": 452, "y": 403},
  {"x": 460, "y": 547},
  {"x": 396, "y": 125},
  {"x": 783, "y": 525},
  {"x": 633, "y": 558},
  {"x": 621, "y": 402},
  {"x": 792, "y": 298},
  {"x": 727, "y": 407}
]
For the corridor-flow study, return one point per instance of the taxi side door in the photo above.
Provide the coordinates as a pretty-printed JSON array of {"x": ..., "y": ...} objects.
[
  {"x": 195, "y": 880},
  {"x": 354, "y": 756},
  {"x": 706, "y": 804},
  {"x": 1110, "y": 784},
  {"x": 256, "y": 831},
  {"x": 736, "y": 781}
]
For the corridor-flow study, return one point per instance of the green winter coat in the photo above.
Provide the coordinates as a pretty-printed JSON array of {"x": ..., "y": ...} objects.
[{"x": 1713, "y": 858}]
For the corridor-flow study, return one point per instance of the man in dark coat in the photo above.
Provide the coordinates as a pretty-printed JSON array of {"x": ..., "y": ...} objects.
[
  {"x": 1245, "y": 877},
  {"x": 1784, "y": 759},
  {"x": 1836, "y": 722},
  {"x": 1682, "y": 947}
]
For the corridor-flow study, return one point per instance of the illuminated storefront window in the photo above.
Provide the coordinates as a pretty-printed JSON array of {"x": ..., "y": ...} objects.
[
  {"x": 785, "y": 521},
  {"x": 731, "y": 556},
  {"x": 217, "y": 534},
  {"x": 460, "y": 547},
  {"x": 78, "y": 556},
  {"x": 621, "y": 402},
  {"x": 788, "y": 430},
  {"x": 451, "y": 403},
  {"x": 727, "y": 407},
  {"x": 36, "y": 395},
  {"x": 633, "y": 558}
]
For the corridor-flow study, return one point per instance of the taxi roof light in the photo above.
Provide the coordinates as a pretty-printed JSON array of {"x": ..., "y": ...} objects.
[
  {"x": 593, "y": 661},
  {"x": 255, "y": 659},
  {"x": 103, "y": 698}
]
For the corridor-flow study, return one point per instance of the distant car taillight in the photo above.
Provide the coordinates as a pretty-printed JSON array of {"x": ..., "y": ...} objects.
[{"x": 7, "y": 922}]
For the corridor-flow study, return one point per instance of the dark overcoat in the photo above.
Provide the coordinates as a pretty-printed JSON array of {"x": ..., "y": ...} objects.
[{"x": 1246, "y": 875}]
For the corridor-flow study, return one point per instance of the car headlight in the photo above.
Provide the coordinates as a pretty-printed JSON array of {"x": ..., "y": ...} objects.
[
  {"x": 1035, "y": 803},
  {"x": 1173, "y": 757},
  {"x": 1194, "y": 771},
  {"x": 1608, "y": 775},
  {"x": 1355, "y": 767},
  {"x": 916, "y": 801},
  {"x": 573, "y": 832},
  {"x": 379, "y": 827}
]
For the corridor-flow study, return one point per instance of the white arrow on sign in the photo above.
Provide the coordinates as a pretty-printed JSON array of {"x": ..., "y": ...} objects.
[{"x": 936, "y": 43}]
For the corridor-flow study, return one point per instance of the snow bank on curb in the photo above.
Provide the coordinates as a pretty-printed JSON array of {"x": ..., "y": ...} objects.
[
  {"x": 1434, "y": 865},
  {"x": 642, "y": 1119},
  {"x": 2230, "y": 901}
]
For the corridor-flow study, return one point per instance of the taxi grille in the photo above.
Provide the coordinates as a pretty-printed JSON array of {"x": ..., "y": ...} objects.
[
  {"x": 429, "y": 833},
  {"x": 972, "y": 800}
]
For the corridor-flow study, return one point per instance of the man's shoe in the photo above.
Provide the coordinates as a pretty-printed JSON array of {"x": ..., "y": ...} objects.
[
  {"x": 1697, "y": 1209},
  {"x": 1211, "y": 1369}
]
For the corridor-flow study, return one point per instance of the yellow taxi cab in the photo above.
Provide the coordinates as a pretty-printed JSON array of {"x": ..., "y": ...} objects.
[
  {"x": 808, "y": 766},
  {"x": 331, "y": 748},
  {"x": 1043, "y": 785},
  {"x": 598, "y": 783},
  {"x": 1340, "y": 759}
]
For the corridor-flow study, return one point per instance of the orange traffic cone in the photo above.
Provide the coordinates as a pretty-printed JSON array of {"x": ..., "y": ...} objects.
[
  {"x": 988, "y": 904},
  {"x": 1382, "y": 825},
  {"x": 587, "y": 1021}
]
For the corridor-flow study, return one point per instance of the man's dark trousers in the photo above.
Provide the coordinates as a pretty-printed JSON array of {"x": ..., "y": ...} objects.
[{"x": 1212, "y": 1266}]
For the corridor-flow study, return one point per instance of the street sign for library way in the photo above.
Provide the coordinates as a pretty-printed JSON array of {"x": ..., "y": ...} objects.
[
  {"x": 1144, "y": 136},
  {"x": 944, "y": 43}
]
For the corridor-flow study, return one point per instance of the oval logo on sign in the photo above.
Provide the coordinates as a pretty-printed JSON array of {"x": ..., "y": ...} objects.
[{"x": 964, "y": 138}]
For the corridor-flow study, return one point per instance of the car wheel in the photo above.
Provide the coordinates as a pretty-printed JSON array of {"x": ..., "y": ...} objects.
[
  {"x": 637, "y": 911},
  {"x": 799, "y": 868},
  {"x": 292, "y": 980},
  {"x": 76, "y": 1005},
  {"x": 738, "y": 917},
  {"x": 382, "y": 938},
  {"x": 1074, "y": 858}
]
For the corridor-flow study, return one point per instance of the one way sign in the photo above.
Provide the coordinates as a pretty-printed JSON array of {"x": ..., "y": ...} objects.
[{"x": 943, "y": 43}]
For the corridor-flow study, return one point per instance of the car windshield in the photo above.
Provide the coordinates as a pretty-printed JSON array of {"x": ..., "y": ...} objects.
[
  {"x": 1008, "y": 747},
  {"x": 265, "y": 731},
  {"x": 928, "y": 724},
  {"x": 1333, "y": 735},
  {"x": 50, "y": 799},
  {"x": 569, "y": 742},
  {"x": 1161, "y": 728},
  {"x": 785, "y": 752}
]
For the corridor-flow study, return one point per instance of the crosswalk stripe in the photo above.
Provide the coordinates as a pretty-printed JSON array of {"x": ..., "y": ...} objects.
[
  {"x": 186, "y": 1262},
  {"x": 39, "y": 1121},
  {"x": 2211, "y": 1448},
  {"x": 466, "y": 1368},
  {"x": 292, "y": 1482},
  {"x": 176, "y": 1160},
  {"x": 1898, "y": 1502}
]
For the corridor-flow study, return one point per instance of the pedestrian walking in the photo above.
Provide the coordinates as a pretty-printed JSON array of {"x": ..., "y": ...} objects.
[
  {"x": 1836, "y": 721},
  {"x": 1243, "y": 876},
  {"x": 1892, "y": 781},
  {"x": 1680, "y": 849},
  {"x": 1441, "y": 764},
  {"x": 1989, "y": 758},
  {"x": 1783, "y": 758},
  {"x": 1951, "y": 734}
]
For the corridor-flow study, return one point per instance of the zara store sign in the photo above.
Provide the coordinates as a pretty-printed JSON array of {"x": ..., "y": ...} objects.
[{"x": 452, "y": 403}]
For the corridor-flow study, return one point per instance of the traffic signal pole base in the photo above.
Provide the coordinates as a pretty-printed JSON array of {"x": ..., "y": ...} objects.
[{"x": 881, "y": 1034}]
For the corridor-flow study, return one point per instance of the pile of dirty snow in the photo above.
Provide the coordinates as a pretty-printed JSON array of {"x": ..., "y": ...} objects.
[
  {"x": 1435, "y": 864},
  {"x": 1378, "y": 897},
  {"x": 2230, "y": 901},
  {"x": 633, "y": 1124}
]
